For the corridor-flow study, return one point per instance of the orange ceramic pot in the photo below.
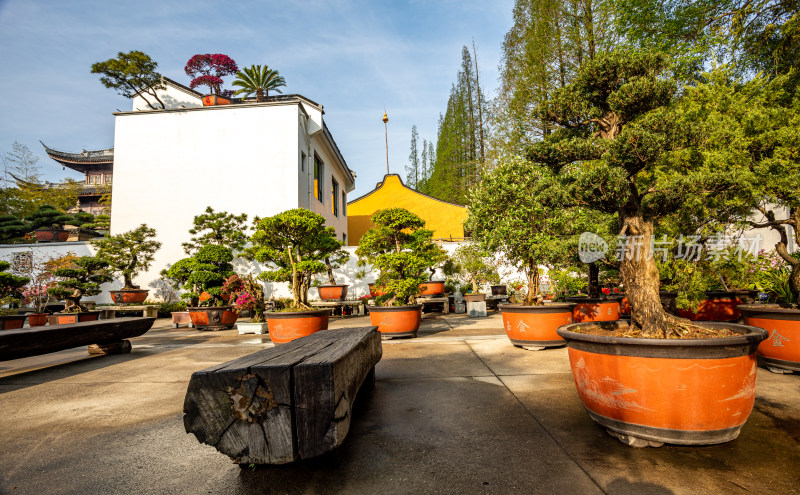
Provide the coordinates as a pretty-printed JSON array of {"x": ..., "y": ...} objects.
[
  {"x": 37, "y": 319},
  {"x": 129, "y": 296},
  {"x": 213, "y": 317},
  {"x": 396, "y": 321},
  {"x": 667, "y": 300},
  {"x": 719, "y": 306},
  {"x": 690, "y": 392},
  {"x": 536, "y": 326},
  {"x": 292, "y": 325},
  {"x": 432, "y": 288},
  {"x": 67, "y": 318},
  {"x": 11, "y": 322},
  {"x": 374, "y": 291},
  {"x": 780, "y": 352},
  {"x": 594, "y": 309},
  {"x": 51, "y": 235},
  {"x": 332, "y": 292}
]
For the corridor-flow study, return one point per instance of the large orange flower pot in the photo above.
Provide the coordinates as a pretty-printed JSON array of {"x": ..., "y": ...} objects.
[
  {"x": 396, "y": 321},
  {"x": 332, "y": 292},
  {"x": 780, "y": 352},
  {"x": 129, "y": 296},
  {"x": 594, "y": 309},
  {"x": 37, "y": 319},
  {"x": 654, "y": 391},
  {"x": 375, "y": 291},
  {"x": 535, "y": 326},
  {"x": 213, "y": 317},
  {"x": 51, "y": 235},
  {"x": 434, "y": 288},
  {"x": 719, "y": 306},
  {"x": 291, "y": 325},
  {"x": 11, "y": 322},
  {"x": 67, "y": 318}
]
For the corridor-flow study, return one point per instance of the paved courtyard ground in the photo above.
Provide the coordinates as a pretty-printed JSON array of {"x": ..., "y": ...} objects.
[{"x": 457, "y": 410}]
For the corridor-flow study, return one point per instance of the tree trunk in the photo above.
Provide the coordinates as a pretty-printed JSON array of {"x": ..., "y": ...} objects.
[
  {"x": 260, "y": 95},
  {"x": 782, "y": 248},
  {"x": 532, "y": 274},
  {"x": 594, "y": 285}
]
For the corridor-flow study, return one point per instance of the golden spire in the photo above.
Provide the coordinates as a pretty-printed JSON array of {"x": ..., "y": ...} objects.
[{"x": 386, "y": 127}]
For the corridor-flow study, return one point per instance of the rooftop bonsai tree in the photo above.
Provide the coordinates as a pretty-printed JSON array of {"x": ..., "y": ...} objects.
[
  {"x": 509, "y": 214},
  {"x": 82, "y": 278},
  {"x": 48, "y": 216},
  {"x": 295, "y": 243},
  {"x": 129, "y": 253},
  {"x": 402, "y": 250},
  {"x": 477, "y": 264},
  {"x": 620, "y": 146},
  {"x": 132, "y": 74},
  {"x": 259, "y": 80},
  {"x": 203, "y": 275},
  {"x": 218, "y": 228},
  {"x": 208, "y": 70}
]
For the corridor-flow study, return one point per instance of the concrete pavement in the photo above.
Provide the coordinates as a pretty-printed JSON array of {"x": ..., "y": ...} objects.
[{"x": 457, "y": 410}]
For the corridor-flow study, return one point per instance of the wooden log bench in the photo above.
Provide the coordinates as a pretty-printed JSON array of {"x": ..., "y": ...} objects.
[
  {"x": 285, "y": 403},
  {"x": 110, "y": 312},
  {"x": 102, "y": 337}
]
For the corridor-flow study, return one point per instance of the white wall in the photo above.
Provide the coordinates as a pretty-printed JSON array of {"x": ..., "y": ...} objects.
[
  {"x": 173, "y": 97},
  {"x": 170, "y": 165}
]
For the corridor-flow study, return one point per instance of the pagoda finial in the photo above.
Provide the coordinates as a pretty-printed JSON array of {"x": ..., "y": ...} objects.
[{"x": 386, "y": 128}]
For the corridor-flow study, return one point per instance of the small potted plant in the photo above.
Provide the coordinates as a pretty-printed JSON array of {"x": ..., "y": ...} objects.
[
  {"x": 479, "y": 268},
  {"x": 402, "y": 251},
  {"x": 294, "y": 244},
  {"x": 82, "y": 278},
  {"x": 48, "y": 223},
  {"x": 247, "y": 293},
  {"x": 128, "y": 254},
  {"x": 333, "y": 291},
  {"x": 10, "y": 286},
  {"x": 202, "y": 275}
]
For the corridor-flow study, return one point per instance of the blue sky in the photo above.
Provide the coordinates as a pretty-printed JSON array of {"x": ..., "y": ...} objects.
[{"x": 353, "y": 57}]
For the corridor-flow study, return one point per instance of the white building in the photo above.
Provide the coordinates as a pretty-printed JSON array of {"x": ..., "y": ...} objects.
[{"x": 254, "y": 158}]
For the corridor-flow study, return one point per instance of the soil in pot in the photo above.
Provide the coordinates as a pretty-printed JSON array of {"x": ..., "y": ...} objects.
[
  {"x": 652, "y": 391},
  {"x": 780, "y": 351},
  {"x": 534, "y": 327},
  {"x": 396, "y": 321},
  {"x": 291, "y": 325}
]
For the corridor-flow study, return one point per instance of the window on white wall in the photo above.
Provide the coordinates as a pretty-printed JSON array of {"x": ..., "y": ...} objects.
[
  {"x": 334, "y": 197},
  {"x": 318, "y": 165},
  {"x": 344, "y": 203},
  {"x": 302, "y": 162}
]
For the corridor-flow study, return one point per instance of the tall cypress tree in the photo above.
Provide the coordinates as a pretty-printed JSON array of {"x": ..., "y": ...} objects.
[{"x": 413, "y": 168}]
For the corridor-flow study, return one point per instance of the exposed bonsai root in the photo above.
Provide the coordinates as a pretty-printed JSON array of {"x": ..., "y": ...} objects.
[{"x": 674, "y": 327}]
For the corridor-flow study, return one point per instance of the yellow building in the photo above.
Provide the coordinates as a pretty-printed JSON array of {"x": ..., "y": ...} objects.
[{"x": 445, "y": 219}]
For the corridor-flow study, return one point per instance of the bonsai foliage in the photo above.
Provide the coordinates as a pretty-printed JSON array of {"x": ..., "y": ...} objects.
[
  {"x": 47, "y": 216},
  {"x": 477, "y": 264},
  {"x": 39, "y": 269},
  {"x": 10, "y": 284},
  {"x": 401, "y": 249},
  {"x": 100, "y": 222},
  {"x": 619, "y": 148},
  {"x": 129, "y": 253},
  {"x": 218, "y": 229},
  {"x": 12, "y": 228},
  {"x": 335, "y": 260},
  {"x": 259, "y": 80},
  {"x": 295, "y": 243},
  {"x": 132, "y": 74},
  {"x": 203, "y": 275},
  {"x": 82, "y": 278},
  {"x": 208, "y": 70},
  {"x": 247, "y": 293},
  {"x": 511, "y": 212}
]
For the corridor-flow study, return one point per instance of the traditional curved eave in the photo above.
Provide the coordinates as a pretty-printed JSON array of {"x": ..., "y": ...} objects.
[{"x": 81, "y": 161}]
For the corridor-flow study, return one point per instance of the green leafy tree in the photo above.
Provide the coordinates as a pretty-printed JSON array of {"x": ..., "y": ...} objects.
[
  {"x": 47, "y": 216},
  {"x": 132, "y": 74},
  {"x": 100, "y": 222},
  {"x": 259, "y": 80},
  {"x": 203, "y": 275},
  {"x": 217, "y": 228},
  {"x": 129, "y": 253},
  {"x": 295, "y": 244},
  {"x": 82, "y": 278},
  {"x": 511, "y": 212},
  {"x": 477, "y": 264},
  {"x": 401, "y": 249}
]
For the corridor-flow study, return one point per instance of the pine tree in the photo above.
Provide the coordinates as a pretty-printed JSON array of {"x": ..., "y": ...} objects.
[
  {"x": 423, "y": 169},
  {"x": 413, "y": 168}
]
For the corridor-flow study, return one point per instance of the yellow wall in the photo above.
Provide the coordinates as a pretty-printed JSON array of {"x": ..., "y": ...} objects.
[{"x": 445, "y": 219}]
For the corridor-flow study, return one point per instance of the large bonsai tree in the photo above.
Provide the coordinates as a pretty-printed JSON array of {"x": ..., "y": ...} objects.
[
  {"x": 10, "y": 284},
  {"x": 82, "y": 278},
  {"x": 208, "y": 70},
  {"x": 132, "y": 74},
  {"x": 618, "y": 148},
  {"x": 476, "y": 264},
  {"x": 203, "y": 275},
  {"x": 513, "y": 212},
  {"x": 217, "y": 228},
  {"x": 401, "y": 249},
  {"x": 12, "y": 228},
  {"x": 48, "y": 216},
  {"x": 295, "y": 243},
  {"x": 259, "y": 80},
  {"x": 129, "y": 253}
]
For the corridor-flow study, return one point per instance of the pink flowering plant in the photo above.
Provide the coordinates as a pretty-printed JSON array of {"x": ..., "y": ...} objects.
[
  {"x": 246, "y": 293},
  {"x": 208, "y": 70}
]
